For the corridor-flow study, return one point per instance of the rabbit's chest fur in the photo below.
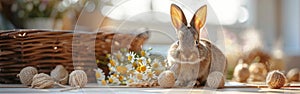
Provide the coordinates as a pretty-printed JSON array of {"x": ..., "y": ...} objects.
[
  {"x": 191, "y": 72},
  {"x": 187, "y": 72}
]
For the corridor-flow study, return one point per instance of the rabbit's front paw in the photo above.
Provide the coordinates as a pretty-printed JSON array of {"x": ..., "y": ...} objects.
[
  {"x": 179, "y": 83},
  {"x": 193, "y": 83}
]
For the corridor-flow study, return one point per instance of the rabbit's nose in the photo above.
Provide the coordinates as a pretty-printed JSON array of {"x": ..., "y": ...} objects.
[{"x": 188, "y": 57}]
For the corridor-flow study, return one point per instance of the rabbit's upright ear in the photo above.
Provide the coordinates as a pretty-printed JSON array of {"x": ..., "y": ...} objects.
[
  {"x": 178, "y": 18},
  {"x": 199, "y": 18}
]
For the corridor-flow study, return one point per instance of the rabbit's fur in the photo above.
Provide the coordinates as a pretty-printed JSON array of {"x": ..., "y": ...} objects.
[{"x": 192, "y": 58}]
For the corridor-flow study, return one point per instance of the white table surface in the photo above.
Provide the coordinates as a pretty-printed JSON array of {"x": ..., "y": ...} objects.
[{"x": 93, "y": 88}]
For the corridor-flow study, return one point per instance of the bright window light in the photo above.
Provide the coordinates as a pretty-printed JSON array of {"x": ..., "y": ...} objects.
[{"x": 228, "y": 12}]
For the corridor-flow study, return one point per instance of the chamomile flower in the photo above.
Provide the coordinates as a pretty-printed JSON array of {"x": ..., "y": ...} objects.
[
  {"x": 121, "y": 69},
  {"x": 142, "y": 61},
  {"x": 119, "y": 56},
  {"x": 140, "y": 77},
  {"x": 121, "y": 78},
  {"x": 155, "y": 64},
  {"x": 145, "y": 53},
  {"x": 130, "y": 72},
  {"x": 103, "y": 82},
  {"x": 157, "y": 72},
  {"x": 113, "y": 63},
  {"x": 99, "y": 74},
  {"x": 142, "y": 66},
  {"x": 150, "y": 74},
  {"x": 128, "y": 67},
  {"x": 158, "y": 66},
  {"x": 131, "y": 56},
  {"x": 130, "y": 80},
  {"x": 113, "y": 80}
]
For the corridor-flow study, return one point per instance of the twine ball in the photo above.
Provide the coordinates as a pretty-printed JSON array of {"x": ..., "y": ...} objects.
[
  {"x": 166, "y": 79},
  {"x": 78, "y": 78},
  {"x": 60, "y": 74},
  {"x": 258, "y": 72},
  {"x": 41, "y": 81},
  {"x": 241, "y": 72},
  {"x": 215, "y": 80},
  {"x": 293, "y": 75},
  {"x": 26, "y": 75},
  {"x": 275, "y": 79}
]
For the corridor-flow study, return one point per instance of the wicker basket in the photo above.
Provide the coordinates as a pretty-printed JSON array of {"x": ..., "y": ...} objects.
[{"x": 44, "y": 49}]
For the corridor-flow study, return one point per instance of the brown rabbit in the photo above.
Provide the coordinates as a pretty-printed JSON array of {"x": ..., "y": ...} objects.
[{"x": 195, "y": 61}]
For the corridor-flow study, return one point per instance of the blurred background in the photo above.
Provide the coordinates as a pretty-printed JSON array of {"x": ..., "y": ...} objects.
[{"x": 270, "y": 27}]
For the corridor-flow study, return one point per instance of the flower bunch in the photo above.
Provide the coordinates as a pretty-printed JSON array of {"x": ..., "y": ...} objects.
[{"x": 128, "y": 67}]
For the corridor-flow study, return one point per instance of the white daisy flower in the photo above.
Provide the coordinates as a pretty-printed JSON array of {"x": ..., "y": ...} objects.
[
  {"x": 145, "y": 53},
  {"x": 150, "y": 74},
  {"x": 140, "y": 77},
  {"x": 119, "y": 56},
  {"x": 113, "y": 80},
  {"x": 131, "y": 56},
  {"x": 130, "y": 80},
  {"x": 99, "y": 74},
  {"x": 129, "y": 67},
  {"x": 102, "y": 82},
  {"x": 142, "y": 60}
]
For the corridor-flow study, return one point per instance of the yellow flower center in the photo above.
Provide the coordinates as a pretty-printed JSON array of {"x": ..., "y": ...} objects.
[
  {"x": 150, "y": 74},
  {"x": 103, "y": 82},
  {"x": 143, "y": 53},
  {"x": 121, "y": 69},
  {"x": 134, "y": 64},
  {"x": 130, "y": 81},
  {"x": 119, "y": 56},
  {"x": 163, "y": 63},
  {"x": 140, "y": 60},
  {"x": 139, "y": 76},
  {"x": 129, "y": 58},
  {"x": 155, "y": 65},
  {"x": 112, "y": 62},
  {"x": 148, "y": 61},
  {"x": 157, "y": 72},
  {"x": 143, "y": 68},
  {"x": 110, "y": 80},
  {"x": 138, "y": 69},
  {"x": 115, "y": 75},
  {"x": 121, "y": 78},
  {"x": 98, "y": 75},
  {"x": 130, "y": 72}
]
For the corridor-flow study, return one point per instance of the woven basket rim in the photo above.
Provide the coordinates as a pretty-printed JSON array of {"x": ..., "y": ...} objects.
[{"x": 69, "y": 31}]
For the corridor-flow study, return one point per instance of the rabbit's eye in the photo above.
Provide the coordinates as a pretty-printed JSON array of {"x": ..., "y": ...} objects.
[
  {"x": 177, "y": 42},
  {"x": 196, "y": 42}
]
